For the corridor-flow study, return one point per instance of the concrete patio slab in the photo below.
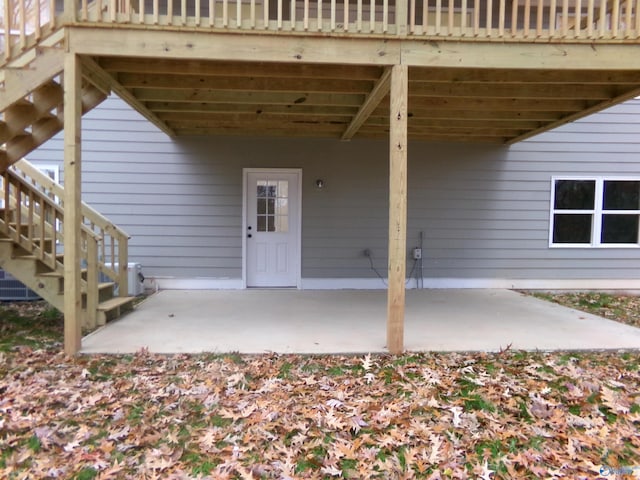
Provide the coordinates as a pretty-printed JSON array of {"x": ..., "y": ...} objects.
[{"x": 352, "y": 321}]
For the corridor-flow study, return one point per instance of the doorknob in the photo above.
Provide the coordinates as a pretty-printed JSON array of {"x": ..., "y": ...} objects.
[{"x": 249, "y": 235}]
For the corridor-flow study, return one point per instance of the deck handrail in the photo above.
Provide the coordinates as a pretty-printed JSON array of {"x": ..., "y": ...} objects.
[
  {"x": 25, "y": 22},
  {"x": 112, "y": 246}
]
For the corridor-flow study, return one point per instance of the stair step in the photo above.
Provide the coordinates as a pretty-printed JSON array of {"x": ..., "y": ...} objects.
[
  {"x": 26, "y": 256},
  {"x": 101, "y": 286},
  {"x": 31, "y": 256},
  {"x": 113, "y": 308},
  {"x": 11, "y": 211},
  {"x": 51, "y": 274},
  {"x": 115, "y": 302}
]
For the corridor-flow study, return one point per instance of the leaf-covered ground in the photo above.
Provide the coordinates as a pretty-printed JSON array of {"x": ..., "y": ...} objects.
[{"x": 488, "y": 416}]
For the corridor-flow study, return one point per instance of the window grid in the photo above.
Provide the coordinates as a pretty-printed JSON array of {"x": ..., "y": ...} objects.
[{"x": 598, "y": 213}]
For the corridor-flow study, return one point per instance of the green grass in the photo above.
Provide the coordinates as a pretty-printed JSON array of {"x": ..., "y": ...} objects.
[
  {"x": 34, "y": 444},
  {"x": 200, "y": 464},
  {"x": 477, "y": 402},
  {"x": 87, "y": 473},
  {"x": 285, "y": 370},
  {"x": 29, "y": 324}
]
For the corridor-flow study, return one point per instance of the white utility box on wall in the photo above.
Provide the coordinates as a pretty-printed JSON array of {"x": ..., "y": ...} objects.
[{"x": 135, "y": 279}]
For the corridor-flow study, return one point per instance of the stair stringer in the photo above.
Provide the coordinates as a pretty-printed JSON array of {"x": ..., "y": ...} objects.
[
  {"x": 25, "y": 270},
  {"x": 31, "y": 98}
]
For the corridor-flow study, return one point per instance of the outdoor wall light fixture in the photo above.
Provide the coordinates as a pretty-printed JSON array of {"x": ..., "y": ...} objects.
[{"x": 319, "y": 184}]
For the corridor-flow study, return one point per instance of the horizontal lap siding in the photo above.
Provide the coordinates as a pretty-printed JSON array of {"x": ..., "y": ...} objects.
[
  {"x": 182, "y": 210},
  {"x": 484, "y": 210}
]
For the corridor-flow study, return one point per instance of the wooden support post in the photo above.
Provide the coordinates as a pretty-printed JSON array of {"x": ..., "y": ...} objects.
[
  {"x": 72, "y": 204},
  {"x": 70, "y": 8},
  {"x": 123, "y": 258},
  {"x": 397, "y": 208},
  {"x": 93, "y": 281}
]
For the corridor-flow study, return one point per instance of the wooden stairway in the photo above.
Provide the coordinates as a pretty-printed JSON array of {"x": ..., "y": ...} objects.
[
  {"x": 31, "y": 99},
  {"x": 32, "y": 214},
  {"x": 31, "y": 246}
]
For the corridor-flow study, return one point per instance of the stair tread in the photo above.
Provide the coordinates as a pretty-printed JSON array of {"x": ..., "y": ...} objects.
[
  {"x": 51, "y": 274},
  {"x": 101, "y": 286},
  {"x": 114, "y": 303}
]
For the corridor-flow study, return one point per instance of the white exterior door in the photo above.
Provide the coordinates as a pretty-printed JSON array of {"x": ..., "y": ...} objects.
[{"x": 272, "y": 228}]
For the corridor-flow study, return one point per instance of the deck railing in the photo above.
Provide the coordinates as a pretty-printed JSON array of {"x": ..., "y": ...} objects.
[{"x": 25, "y": 21}]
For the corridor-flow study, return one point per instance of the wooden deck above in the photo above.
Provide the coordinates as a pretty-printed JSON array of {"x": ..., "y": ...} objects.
[
  {"x": 479, "y": 70},
  {"x": 189, "y": 97}
]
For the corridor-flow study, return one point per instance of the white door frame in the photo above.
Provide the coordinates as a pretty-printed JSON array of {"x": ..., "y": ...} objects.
[{"x": 245, "y": 176}]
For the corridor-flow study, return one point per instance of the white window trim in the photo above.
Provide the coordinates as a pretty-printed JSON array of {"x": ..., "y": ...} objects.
[{"x": 598, "y": 211}]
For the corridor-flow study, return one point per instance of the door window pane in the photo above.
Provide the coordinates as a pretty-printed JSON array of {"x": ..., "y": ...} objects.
[
  {"x": 262, "y": 206},
  {"x": 272, "y": 207}
]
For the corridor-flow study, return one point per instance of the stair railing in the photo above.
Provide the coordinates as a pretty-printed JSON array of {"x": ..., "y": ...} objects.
[
  {"x": 35, "y": 222},
  {"x": 24, "y": 23},
  {"x": 112, "y": 242}
]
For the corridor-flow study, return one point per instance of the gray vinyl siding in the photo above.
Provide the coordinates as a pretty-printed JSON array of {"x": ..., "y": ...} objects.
[{"x": 484, "y": 210}]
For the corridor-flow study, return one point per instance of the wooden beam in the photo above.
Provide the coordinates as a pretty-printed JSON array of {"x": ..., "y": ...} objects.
[
  {"x": 252, "y": 118},
  {"x": 257, "y": 84},
  {"x": 513, "y": 56},
  {"x": 461, "y": 122},
  {"x": 239, "y": 69},
  {"x": 133, "y": 42},
  {"x": 297, "y": 109},
  {"x": 100, "y": 78},
  {"x": 380, "y": 90},
  {"x": 253, "y": 98},
  {"x": 500, "y": 104},
  {"x": 397, "y": 208},
  {"x": 583, "y": 113},
  {"x": 72, "y": 203},
  {"x": 326, "y": 131},
  {"x": 523, "y": 76},
  {"x": 522, "y": 91},
  {"x": 446, "y": 114}
]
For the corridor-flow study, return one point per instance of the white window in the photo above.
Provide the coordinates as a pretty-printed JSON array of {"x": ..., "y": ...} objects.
[{"x": 595, "y": 212}]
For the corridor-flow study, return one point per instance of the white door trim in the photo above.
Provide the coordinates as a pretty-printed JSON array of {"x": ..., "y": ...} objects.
[{"x": 245, "y": 177}]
